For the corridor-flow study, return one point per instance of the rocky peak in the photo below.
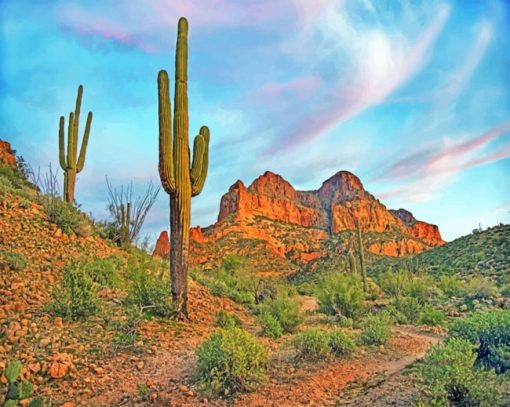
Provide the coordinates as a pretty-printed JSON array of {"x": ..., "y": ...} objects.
[
  {"x": 404, "y": 215},
  {"x": 7, "y": 155},
  {"x": 274, "y": 186},
  {"x": 341, "y": 187}
]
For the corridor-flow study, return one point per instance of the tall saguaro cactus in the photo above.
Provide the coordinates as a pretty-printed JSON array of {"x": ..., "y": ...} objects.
[
  {"x": 180, "y": 180},
  {"x": 361, "y": 257},
  {"x": 72, "y": 164}
]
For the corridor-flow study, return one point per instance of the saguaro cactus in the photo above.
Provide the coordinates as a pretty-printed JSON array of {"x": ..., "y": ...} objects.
[
  {"x": 180, "y": 180},
  {"x": 361, "y": 257},
  {"x": 72, "y": 164},
  {"x": 352, "y": 263}
]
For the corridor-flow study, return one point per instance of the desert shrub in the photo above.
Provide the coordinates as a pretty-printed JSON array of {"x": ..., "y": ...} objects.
[
  {"x": 505, "y": 290},
  {"x": 270, "y": 326},
  {"x": 13, "y": 260},
  {"x": 481, "y": 288},
  {"x": 66, "y": 216},
  {"x": 75, "y": 296},
  {"x": 431, "y": 316},
  {"x": 421, "y": 287},
  {"x": 396, "y": 314},
  {"x": 147, "y": 289},
  {"x": 12, "y": 178},
  {"x": 409, "y": 307},
  {"x": 393, "y": 283},
  {"x": 104, "y": 271},
  {"x": 448, "y": 378},
  {"x": 452, "y": 286},
  {"x": 285, "y": 310},
  {"x": 489, "y": 333},
  {"x": 375, "y": 329},
  {"x": 312, "y": 344},
  {"x": 223, "y": 319},
  {"x": 344, "y": 322},
  {"x": 340, "y": 343},
  {"x": 231, "y": 360},
  {"x": 341, "y": 294}
]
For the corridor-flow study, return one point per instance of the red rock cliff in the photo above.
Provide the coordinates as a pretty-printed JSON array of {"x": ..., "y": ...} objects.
[{"x": 7, "y": 155}]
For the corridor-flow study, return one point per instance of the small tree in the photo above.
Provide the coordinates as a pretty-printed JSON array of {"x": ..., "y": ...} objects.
[{"x": 129, "y": 214}]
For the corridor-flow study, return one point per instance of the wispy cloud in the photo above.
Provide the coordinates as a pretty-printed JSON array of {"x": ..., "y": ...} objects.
[
  {"x": 432, "y": 169},
  {"x": 380, "y": 62}
]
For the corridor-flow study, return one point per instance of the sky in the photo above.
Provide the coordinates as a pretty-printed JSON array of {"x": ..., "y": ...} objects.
[{"x": 412, "y": 96}]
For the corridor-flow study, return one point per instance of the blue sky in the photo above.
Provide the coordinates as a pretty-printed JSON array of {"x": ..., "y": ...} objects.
[{"x": 412, "y": 96}]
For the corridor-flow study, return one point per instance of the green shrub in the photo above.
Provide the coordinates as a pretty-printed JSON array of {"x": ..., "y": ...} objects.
[
  {"x": 285, "y": 310},
  {"x": 75, "y": 296},
  {"x": 231, "y": 360},
  {"x": 489, "y": 333},
  {"x": 66, "y": 216},
  {"x": 394, "y": 283},
  {"x": 147, "y": 289},
  {"x": 376, "y": 329},
  {"x": 312, "y": 344},
  {"x": 344, "y": 322},
  {"x": 270, "y": 326},
  {"x": 452, "y": 286},
  {"x": 17, "y": 389},
  {"x": 223, "y": 319},
  {"x": 448, "y": 378},
  {"x": 341, "y": 294},
  {"x": 13, "y": 260},
  {"x": 481, "y": 288},
  {"x": 395, "y": 314},
  {"x": 340, "y": 343},
  {"x": 409, "y": 307},
  {"x": 431, "y": 316},
  {"x": 104, "y": 271}
]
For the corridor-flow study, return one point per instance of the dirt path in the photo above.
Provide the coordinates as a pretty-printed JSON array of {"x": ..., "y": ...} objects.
[{"x": 368, "y": 379}]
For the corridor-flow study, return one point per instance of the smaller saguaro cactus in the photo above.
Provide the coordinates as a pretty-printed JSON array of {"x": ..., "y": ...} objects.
[
  {"x": 352, "y": 263},
  {"x": 361, "y": 254},
  {"x": 71, "y": 163}
]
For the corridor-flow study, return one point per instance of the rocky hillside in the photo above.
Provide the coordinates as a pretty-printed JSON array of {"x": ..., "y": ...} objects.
[{"x": 280, "y": 221}]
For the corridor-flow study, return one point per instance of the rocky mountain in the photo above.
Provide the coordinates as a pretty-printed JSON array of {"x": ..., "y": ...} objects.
[
  {"x": 272, "y": 215},
  {"x": 7, "y": 155}
]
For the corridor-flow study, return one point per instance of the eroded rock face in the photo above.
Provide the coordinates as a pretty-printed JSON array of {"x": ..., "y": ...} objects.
[
  {"x": 294, "y": 224},
  {"x": 7, "y": 155},
  {"x": 162, "y": 248},
  {"x": 335, "y": 206}
]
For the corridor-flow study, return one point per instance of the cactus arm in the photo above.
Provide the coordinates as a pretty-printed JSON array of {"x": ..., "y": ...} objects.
[
  {"x": 84, "y": 143},
  {"x": 76, "y": 124},
  {"x": 198, "y": 157},
  {"x": 71, "y": 158},
  {"x": 198, "y": 179},
  {"x": 166, "y": 160},
  {"x": 61, "y": 144}
]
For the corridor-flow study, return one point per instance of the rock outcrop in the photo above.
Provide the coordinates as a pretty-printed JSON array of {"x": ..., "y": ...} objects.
[
  {"x": 295, "y": 224},
  {"x": 7, "y": 155}
]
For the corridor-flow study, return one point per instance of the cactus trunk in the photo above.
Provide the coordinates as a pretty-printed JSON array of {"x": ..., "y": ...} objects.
[
  {"x": 180, "y": 180},
  {"x": 361, "y": 257},
  {"x": 71, "y": 163},
  {"x": 352, "y": 263}
]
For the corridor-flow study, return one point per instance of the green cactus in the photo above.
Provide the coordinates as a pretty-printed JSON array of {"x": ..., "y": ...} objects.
[
  {"x": 72, "y": 164},
  {"x": 361, "y": 257},
  {"x": 352, "y": 263},
  {"x": 17, "y": 390},
  {"x": 179, "y": 180}
]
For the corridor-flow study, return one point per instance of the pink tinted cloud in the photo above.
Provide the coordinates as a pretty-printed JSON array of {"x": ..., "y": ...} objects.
[
  {"x": 440, "y": 168},
  {"x": 283, "y": 91},
  {"x": 372, "y": 86}
]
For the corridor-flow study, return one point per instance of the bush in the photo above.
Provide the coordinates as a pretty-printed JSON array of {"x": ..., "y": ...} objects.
[
  {"x": 481, "y": 288},
  {"x": 452, "y": 286},
  {"x": 376, "y": 329},
  {"x": 270, "y": 326},
  {"x": 104, "y": 271},
  {"x": 395, "y": 314},
  {"x": 411, "y": 309},
  {"x": 394, "y": 283},
  {"x": 431, "y": 316},
  {"x": 147, "y": 289},
  {"x": 66, "y": 216},
  {"x": 489, "y": 333},
  {"x": 312, "y": 344},
  {"x": 14, "y": 261},
  {"x": 340, "y": 343},
  {"x": 341, "y": 294},
  {"x": 75, "y": 296},
  {"x": 448, "y": 377},
  {"x": 223, "y": 319},
  {"x": 285, "y": 310},
  {"x": 231, "y": 360}
]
